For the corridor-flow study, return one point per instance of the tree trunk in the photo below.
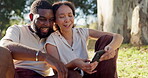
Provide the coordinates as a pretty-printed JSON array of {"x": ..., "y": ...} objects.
[{"x": 129, "y": 18}]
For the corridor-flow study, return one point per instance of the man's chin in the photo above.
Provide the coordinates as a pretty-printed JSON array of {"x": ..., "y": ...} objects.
[{"x": 44, "y": 35}]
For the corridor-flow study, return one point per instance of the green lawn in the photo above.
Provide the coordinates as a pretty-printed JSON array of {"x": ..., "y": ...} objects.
[{"x": 132, "y": 61}]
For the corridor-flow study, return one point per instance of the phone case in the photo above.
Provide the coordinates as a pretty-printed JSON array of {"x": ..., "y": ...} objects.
[{"x": 98, "y": 55}]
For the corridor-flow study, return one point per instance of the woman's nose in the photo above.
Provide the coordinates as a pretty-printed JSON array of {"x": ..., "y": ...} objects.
[{"x": 67, "y": 19}]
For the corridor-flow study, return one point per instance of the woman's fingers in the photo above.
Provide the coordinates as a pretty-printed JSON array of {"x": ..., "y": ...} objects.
[
  {"x": 108, "y": 55},
  {"x": 93, "y": 65},
  {"x": 89, "y": 67}
]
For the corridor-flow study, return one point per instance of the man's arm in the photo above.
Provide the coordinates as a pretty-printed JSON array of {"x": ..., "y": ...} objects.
[{"x": 22, "y": 52}]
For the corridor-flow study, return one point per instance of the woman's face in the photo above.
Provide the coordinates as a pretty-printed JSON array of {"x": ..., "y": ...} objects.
[{"x": 64, "y": 18}]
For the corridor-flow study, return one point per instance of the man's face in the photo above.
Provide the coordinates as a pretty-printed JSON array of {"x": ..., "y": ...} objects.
[{"x": 43, "y": 22}]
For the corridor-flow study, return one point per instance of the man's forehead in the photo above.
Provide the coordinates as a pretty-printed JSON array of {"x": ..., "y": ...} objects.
[
  {"x": 44, "y": 13},
  {"x": 44, "y": 10}
]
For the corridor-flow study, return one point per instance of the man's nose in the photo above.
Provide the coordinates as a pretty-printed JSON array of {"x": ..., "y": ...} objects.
[{"x": 48, "y": 23}]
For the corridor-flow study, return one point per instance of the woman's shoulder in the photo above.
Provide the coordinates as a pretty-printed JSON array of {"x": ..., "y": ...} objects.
[
  {"x": 81, "y": 30},
  {"x": 55, "y": 33}
]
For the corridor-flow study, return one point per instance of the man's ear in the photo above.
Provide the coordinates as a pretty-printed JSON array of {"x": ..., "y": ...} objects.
[{"x": 31, "y": 16}]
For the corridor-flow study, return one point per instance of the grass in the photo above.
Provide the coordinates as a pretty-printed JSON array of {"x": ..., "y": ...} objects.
[{"x": 132, "y": 61}]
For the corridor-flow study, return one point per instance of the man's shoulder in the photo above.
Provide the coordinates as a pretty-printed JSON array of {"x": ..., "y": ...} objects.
[{"x": 19, "y": 26}]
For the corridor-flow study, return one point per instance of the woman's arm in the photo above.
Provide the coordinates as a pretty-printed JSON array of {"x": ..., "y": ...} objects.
[
  {"x": 81, "y": 63},
  {"x": 52, "y": 50},
  {"x": 115, "y": 43},
  {"x": 111, "y": 47}
]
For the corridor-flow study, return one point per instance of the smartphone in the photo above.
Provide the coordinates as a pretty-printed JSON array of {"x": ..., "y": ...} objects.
[{"x": 97, "y": 56}]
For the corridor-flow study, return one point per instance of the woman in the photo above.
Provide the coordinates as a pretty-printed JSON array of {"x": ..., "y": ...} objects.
[{"x": 68, "y": 44}]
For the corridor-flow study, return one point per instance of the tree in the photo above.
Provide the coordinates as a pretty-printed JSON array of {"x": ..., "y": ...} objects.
[
  {"x": 8, "y": 9},
  {"x": 129, "y": 18},
  {"x": 16, "y": 8},
  {"x": 89, "y": 7}
]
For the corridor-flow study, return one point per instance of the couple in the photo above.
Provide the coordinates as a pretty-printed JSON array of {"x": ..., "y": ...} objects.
[{"x": 34, "y": 57}]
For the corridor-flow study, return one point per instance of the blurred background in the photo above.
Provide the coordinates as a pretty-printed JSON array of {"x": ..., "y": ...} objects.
[{"x": 126, "y": 17}]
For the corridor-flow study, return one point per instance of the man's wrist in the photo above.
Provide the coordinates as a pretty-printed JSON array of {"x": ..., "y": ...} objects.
[
  {"x": 37, "y": 54},
  {"x": 41, "y": 56}
]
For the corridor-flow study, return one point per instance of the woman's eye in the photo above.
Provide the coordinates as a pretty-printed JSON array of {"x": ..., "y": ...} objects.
[
  {"x": 70, "y": 15},
  {"x": 61, "y": 16}
]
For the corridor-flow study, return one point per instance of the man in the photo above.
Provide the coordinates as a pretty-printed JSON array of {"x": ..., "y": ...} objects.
[{"x": 25, "y": 43}]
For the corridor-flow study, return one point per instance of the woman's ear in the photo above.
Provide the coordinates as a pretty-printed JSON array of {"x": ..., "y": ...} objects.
[{"x": 31, "y": 16}]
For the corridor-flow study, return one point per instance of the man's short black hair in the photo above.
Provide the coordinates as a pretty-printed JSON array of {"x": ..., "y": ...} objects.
[{"x": 40, "y": 4}]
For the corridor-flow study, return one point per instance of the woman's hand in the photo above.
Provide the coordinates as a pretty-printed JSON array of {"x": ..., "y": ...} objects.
[
  {"x": 85, "y": 65},
  {"x": 109, "y": 53}
]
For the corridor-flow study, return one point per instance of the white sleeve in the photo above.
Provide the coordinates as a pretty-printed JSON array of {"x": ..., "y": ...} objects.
[
  {"x": 12, "y": 33},
  {"x": 84, "y": 32},
  {"x": 51, "y": 40}
]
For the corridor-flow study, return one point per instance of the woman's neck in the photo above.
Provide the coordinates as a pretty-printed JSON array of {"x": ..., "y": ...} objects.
[{"x": 68, "y": 35}]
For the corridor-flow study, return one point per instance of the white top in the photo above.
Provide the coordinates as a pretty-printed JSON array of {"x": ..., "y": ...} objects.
[
  {"x": 22, "y": 34},
  {"x": 68, "y": 53}
]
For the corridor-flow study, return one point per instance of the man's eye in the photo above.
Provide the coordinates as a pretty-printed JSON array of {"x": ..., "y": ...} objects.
[{"x": 42, "y": 19}]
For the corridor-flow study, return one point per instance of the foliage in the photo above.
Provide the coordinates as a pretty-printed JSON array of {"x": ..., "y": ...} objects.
[
  {"x": 89, "y": 7},
  {"x": 17, "y": 8},
  {"x": 8, "y": 9}
]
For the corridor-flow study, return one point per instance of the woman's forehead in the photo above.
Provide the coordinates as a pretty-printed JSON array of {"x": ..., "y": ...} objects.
[{"x": 64, "y": 9}]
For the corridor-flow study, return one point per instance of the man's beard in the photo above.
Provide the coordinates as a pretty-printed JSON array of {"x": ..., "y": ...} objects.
[{"x": 42, "y": 34}]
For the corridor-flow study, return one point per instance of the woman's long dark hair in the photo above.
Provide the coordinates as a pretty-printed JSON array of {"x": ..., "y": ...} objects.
[{"x": 56, "y": 6}]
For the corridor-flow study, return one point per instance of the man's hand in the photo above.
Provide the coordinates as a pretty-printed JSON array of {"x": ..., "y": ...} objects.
[
  {"x": 57, "y": 65},
  {"x": 109, "y": 53}
]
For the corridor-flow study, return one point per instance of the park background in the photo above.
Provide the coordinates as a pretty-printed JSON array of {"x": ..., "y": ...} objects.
[{"x": 126, "y": 17}]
